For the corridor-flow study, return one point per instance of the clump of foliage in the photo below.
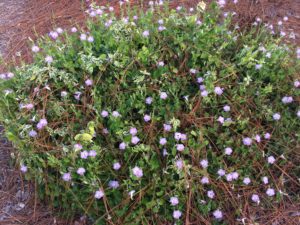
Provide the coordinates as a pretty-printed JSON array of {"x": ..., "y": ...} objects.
[{"x": 156, "y": 117}]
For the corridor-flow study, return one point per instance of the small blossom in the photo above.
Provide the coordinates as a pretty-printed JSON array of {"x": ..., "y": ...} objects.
[
  {"x": 179, "y": 164},
  {"x": 211, "y": 194},
  {"x": 48, "y": 59},
  {"x": 271, "y": 159},
  {"x": 41, "y": 124},
  {"x": 183, "y": 137},
  {"x": 287, "y": 99},
  {"x": 116, "y": 114},
  {"x": 270, "y": 192},
  {"x": 148, "y": 100},
  {"x": 220, "y": 119},
  {"x": 23, "y": 168},
  {"x": 133, "y": 131},
  {"x": 204, "y": 163},
  {"x": 228, "y": 151},
  {"x": 104, "y": 113},
  {"x": 160, "y": 64},
  {"x": 35, "y": 49},
  {"x": 88, "y": 82},
  {"x": 218, "y": 90},
  {"x": 63, "y": 94},
  {"x": 163, "y": 141},
  {"x": 77, "y": 95},
  {"x": 66, "y": 177},
  {"x": 276, "y": 116},
  {"x": 116, "y": 166},
  {"x": 165, "y": 153},
  {"x": 204, "y": 93},
  {"x": 135, "y": 140},
  {"x": 267, "y": 136},
  {"x": 167, "y": 127},
  {"x": 268, "y": 55},
  {"x": 255, "y": 198},
  {"x": 246, "y": 180},
  {"x": 218, "y": 214},
  {"x": 257, "y": 138},
  {"x": 77, "y": 147},
  {"x": 200, "y": 80},
  {"x": 174, "y": 201},
  {"x": 177, "y": 214},
  {"x": 247, "y": 141},
  {"x": 81, "y": 171},
  {"x": 92, "y": 153},
  {"x": 180, "y": 147},
  {"x": 229, "y": 177},
  {"x": 193, "y": 71},
  {"x": 84, "y": 155},
  {"x": 265, "y": 180},
  {"x": 221, "y": 172},
  {"x": 297, "y": 83},
  {"x": 285, "y": 18},
  {"x": 32, "y": 133},
  {"x": 161, "y": 28},
  {"x": 99, "y": 194},
  {"x": 83, "y": 37},
  {"x": 113, "y": 184},
  {"x": 178, "y": 8},
  {"x": 226, "y": 108},
  {"x": 122, "y": 146},
  {"x": 221, "y": 3},
  {"x": 90, "y": 39},
  {"x": 146, "y": 33},
  {"x": 163, "y": 95},
  {"x": 138, "y": 172},
  {"x": 53, "y": 35},
  {"x": 59, "y": 30},
  {"x": 73, "y": 29},
  {"x": 204, "y": 180},
  {"x": 298, "y": 113},
  {"x": 235, "y": 175},
  {"x": 258, "y": 66},
  {"x": 177, "y": 136},
  {"x": 147, "y": 118}
]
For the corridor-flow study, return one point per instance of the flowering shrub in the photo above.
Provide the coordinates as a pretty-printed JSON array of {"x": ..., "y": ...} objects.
[{"x": 156, "y": 117}]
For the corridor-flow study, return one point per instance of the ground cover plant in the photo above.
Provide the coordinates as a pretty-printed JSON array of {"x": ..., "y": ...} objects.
[{"x": 156, "y": 117}]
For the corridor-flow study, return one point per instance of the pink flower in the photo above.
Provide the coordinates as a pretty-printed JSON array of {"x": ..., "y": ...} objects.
[
  {"x": 179, "y": 164},
  {"x": 218, "y": 214},
  {"x": 88, "y": 82},
  {"x": 133, "y": 131},
  {"x": 23, "y": 168},
  {"x": 163, "y": 141},
  {"x": 66, "y": 177},
  {"x": 204, "y": 163},
  {"x": 270, "y": 192},
  {"x": 99, "y": 194},
  {"x": 247, "y": 141},
  {"x": 122, "y": 146},
  {"x": 146, "y": 33},
  {"x": 271, "y": 159},
  {"x": 246, "y": 180},
  {"x": 180, "y": 147},
  {"x": 174, "y": 201},
  {"x": 218, "y": 90},
  {"x": 221, "y": 172},
  {"x": 48, "y": 59},
  {"x": 177, "y": 214},
  {"x": 228, "y": 151},
  {"x": 35, "y": 49},
  {"x": 138, "y": 172},
  {"x": 104, "y": 113},
  {"x": 147, "y": 118},
  {"x": 167, "y": 127},
  {"x": 211, "y": 194},
  {"x": 116, "y": 166},
  {"x": 163, "y": 95},
  {"x": 84, "y": 155},
  {"x": 135, "y": 140},
  {"x": 204, "y": 180},
  {"x": 81, "y": 171},
  {"x": 255, "y": 198}
]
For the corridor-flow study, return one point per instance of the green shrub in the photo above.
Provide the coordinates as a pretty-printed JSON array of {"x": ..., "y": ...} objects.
[{"x": 168, "y": 115}]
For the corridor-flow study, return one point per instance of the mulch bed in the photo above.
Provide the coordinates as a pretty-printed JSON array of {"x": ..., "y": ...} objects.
[{"x": 18, "y": 202}]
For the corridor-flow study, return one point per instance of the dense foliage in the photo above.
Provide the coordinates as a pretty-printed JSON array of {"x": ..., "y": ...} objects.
[{"x": 157, "y": 117}]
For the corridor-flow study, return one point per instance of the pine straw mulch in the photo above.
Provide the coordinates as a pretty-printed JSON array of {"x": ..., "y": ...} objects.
[{"x": 18, "y": 201}]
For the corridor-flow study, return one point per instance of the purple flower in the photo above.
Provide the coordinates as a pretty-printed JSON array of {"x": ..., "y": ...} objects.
[
  {"x": 202, "y": 87},
  {"x": 258, "y": 66},
  {"x": 204, "y": 180},
  {"x": 221, "y": 119},
  {"x": 247, "y": 141},
  {"x": 77, "y": 95},
  {"x": 77, "y": 147},
  {"x": 174, "y": 201},
  {"x": 179, "y": 164},
  {"x": 218, "y": 90},
  {"x": 122, "y": 146},
  {"x": 148, "y": 100},
  {"x": 41, "y": 124},
  {"x": 162, "y": 141},
  {"x": 226, "y": 108},
  {"x": 108, "y": 23},
  {"x": 276, "y": 116},
  {"x": 146, "y": 33},
  {"x": 135, "y": 140},
  {"x": 177, "y": 214},
  {"x": 246, "y": 180},
  {"x": 160, "y": 64},
  {"x": 229, "y": 177},
  {"x": 218, "y": 214},
  {"x": 161, "y": 28},
  {"x": 63, "y": 94},
  {"x": 116, "y": 114},
  {"x": 135, "y": 17},
  {"x": 180, "y": 147},
  {"x": 32, "y": 133},
  {"x": 163, "y": 95},
  {"x": 271, "y": 159},
  {"x": 147, "y": 118},
  {"x": 104, "y": 113},
  {"x": 204, "y": 93},
  {"x": 53, "y": 34},
  {"x": 83, "y": 37},
  {"x": 66, "y": 177},
  {"x": 211, "y": 194},
  {"x": 164, "y": 152},
  {"x": 92, "y": 153},
  {"x": 287, "y": 99},
  {"x": 298, "y": 113},
  {"x": 270, "y": 192},
  {"x": 84, "y": 154},
  {"x": 265, "y": 180},
  {"x": 204, "y": 163},
  {"x": 133, "y": 131},
  {"x": 99, "y": 194},
  {"x": 161, "y": 22},
  {"x": 23, "y": 168},
  {"x": 88, "y": 82},
  {"x": 48, "y": 59},
  {"x": 90, "y": 39},
  {"x": 73, "y": 29},
  {"x": 116, "y": 166},
  {"x": 113, "y": 184},
  {"x": 59, "y": 30},
  {"x": 138, "y": 172},
  {"x": 255, "y": 198},
  {"x": 228, "y": 151},
  {"x": 200, "y": 80},
  {"x": 81, "y": 171},
  {"x": 221, "y": 172},
  {"x": 35, "y": 49},
  {"x": 267, "y": 135},
  {"x": 167, "y": 127},
  {"x": 257, "y": 138},
  {"x": 221, "y": 3},
  {"x": 235, "y": 175},
  {"x": 193, "y": 71},
  {"x": 297, "y": 82}
]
